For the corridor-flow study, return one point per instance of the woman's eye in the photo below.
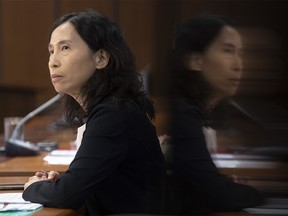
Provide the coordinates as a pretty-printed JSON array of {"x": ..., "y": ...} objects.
[
  {"x": 228, "y": 50},
  {"x": 65, "y": 47},
  {"x": 50, "y": 52}
]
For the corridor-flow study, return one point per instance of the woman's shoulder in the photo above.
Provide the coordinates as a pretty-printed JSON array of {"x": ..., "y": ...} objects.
[
  {"x": 186, "y": 107},
  {"x": 115, "y": 106},
  {"x": 113, "y": 117},
  {"x": 187, "y": 118},
  {"x": 106, "y": 118}
]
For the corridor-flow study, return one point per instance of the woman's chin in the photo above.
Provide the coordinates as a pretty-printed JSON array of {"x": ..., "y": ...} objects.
[{"x": 59, "y": 91}]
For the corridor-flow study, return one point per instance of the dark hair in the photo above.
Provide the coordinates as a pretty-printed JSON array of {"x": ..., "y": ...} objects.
[
  {"x": 119, "y": 78},
  {"x": 194, "y": 37}
]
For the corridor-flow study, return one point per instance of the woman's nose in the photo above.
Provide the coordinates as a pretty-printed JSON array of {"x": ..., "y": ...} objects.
[
  {"x": 54, "y": 61},
  {"x": 238, "y": 66}
]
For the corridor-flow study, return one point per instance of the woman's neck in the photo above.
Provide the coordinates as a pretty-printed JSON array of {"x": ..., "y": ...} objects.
[
  {"x": 80, "y": 100},
  {"x": 211, "y": 103}
]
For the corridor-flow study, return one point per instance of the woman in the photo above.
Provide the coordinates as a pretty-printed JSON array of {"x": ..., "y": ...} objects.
[
  {"x": 119, "y": 165},
  {"x": 206, "y": 68}
]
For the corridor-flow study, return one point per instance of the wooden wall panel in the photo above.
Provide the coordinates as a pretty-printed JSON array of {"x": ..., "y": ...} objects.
[
  {"x": 196, "y": 7},
  {"x": 25, "y": 26},
  {"x": 148, "y": 26},
  {"x": 15, "y": 101},
  {"x": 137, "y": 21},
  {"x": 106, "y": 7},
  {"x": 25, "y": 81},
  {"x": 137, "y": 30},
  {"x": 166, "y": 19}
]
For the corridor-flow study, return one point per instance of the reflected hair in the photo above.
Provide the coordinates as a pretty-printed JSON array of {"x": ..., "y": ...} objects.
[{"x": 194, "y": 37}]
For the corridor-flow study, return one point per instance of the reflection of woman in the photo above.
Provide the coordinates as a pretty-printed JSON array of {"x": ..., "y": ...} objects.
[
  {"x": 119, "y": 165},
  {"x": 206, "y": 68}
]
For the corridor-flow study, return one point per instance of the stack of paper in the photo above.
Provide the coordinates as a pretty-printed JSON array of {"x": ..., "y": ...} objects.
[
  {"x": 60, "y": 157},
  {"x": 15, "y": 202}
]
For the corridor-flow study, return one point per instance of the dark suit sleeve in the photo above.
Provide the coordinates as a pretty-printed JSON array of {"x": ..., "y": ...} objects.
[
  {"x": 103, "y": 147},
  {"x": 193, "y": 163}
]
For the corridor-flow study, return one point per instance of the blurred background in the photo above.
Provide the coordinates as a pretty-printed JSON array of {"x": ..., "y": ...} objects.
[{"x": 257, "y": 116}]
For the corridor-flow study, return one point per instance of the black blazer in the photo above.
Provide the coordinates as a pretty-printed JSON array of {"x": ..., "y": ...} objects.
[
  {"x": 196, "y": 183},
  {"x": 119, "y": 167}
]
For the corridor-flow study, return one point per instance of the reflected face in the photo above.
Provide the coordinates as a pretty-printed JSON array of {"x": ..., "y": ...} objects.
[
  {"x": 71, "y": 62},
  {"x": 221, "y": 63}
]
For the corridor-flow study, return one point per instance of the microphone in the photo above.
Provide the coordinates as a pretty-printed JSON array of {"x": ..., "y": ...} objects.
[{"x": 17, "y": 147}]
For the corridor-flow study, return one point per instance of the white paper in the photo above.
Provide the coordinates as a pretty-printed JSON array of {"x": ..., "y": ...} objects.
[
  {"x": 56, "y": 160},
  {"x": 60, "y": 157},
  {"x": 12, "y": 198},
  {"x": 15, "y": 202},
  {"x": 63, "y": 152}
]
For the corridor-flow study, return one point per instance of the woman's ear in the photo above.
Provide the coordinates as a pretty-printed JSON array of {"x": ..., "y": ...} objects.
[
  {"x": 194, "y": 62},
  {"x": 102, "y": 58}
]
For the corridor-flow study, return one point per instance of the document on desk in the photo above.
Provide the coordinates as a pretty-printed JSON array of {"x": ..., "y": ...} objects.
[
  {"x": 271, "y": 207},
  {"x": 15, "y": 202},
  {"x": 60, "y": 157}
]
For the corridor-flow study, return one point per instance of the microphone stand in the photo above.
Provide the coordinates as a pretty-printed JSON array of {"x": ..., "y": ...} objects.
[{"x": 16, "y": 147}]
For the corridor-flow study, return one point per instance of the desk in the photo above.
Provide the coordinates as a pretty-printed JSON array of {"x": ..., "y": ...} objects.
[
  {"x": 12, "y": 172},
  {"x": 26, "y": 166},
  {"x": 18, "y": 169},
  {"x": 20, "y": 174},
  {"x": 41, "y": 128},
  {"x": 36, "y": 163},
  {"x": 267, "y": 175},
  {"x": 44, "y": 211}
]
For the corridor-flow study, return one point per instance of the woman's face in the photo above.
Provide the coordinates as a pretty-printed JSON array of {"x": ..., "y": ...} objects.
[
  {"x": 221, "y": 63},
  {"x": 71, "y": 62}
]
